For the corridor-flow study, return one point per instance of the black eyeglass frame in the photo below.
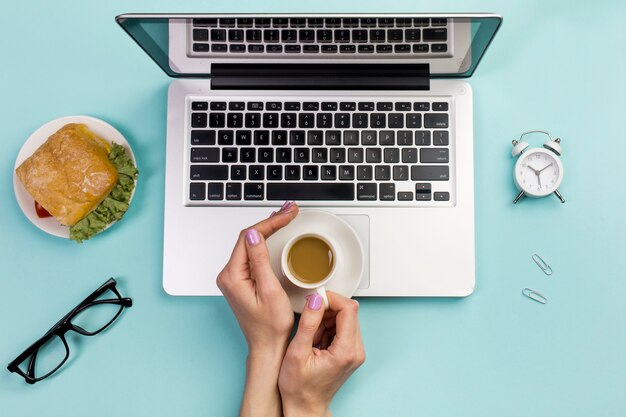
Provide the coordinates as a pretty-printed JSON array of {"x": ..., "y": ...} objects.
[{"x": 63, "y": 326}]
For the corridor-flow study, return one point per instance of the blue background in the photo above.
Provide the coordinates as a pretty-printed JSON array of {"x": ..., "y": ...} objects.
[{"x": 555, "y": 65}]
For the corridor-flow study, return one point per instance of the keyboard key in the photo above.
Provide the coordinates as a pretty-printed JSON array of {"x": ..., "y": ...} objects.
[
  {"x": 412, "y": 35},
  {"x": 301, "y": 155},
  {"x": 274, "y": 105},
  {"x": 227, "y": 22},
  {"x": 405, "y": 196},
  {"x": 405, "y": 138},
  {"x": 274, "y": 173},
  {"x": 197, "y": 191},
  {"x": 438, "y": 21},
  {"x": 205, "y": 137},
  {"x": 266, "y": 155},
  {"x": 421, "y": 106},
  {"x": 342, "y": 36},
  {"x": 229, "y": 154},
  {"x": 256, "y": 48},
  {"x": 386, "y": 22},
  {"x": 436, "y": 155},
  {"x": 440, "y": 106},
  {"x": 296, "y": 137},
  {"x": 387, "y": 192},
  {"x": 279, "y": 137},
  {"x": 297, "y": 22},
  {"x": 205, "y": 22},
  {"x": 233, "y": 191},
  {"x": 311, "y": 49},
  {"x": 216, "y": 191},
  {"x": 329, "y": 172},
  {"x": 274, "y": 48},
  {"x": 366, "y": 106},
  {"x": 253, "y": 36},
  {"x": 236, "y": 105},
  {"x": 205, "y": 155},
  {"x": 333, "y": 22},
  {"x": 430, "y": 173},
  {"x": 442, "y": 196},
  {"x": 366, "y": 192},
  {"x": 377, "y": 35},
  {"x": 271, "y": 35},
  {"x": 347, "y": 106},
  {"x": 218, "y": 105},
  {"x": 422, "y": 138},
  {"x": 402, "y": 23},
  {"x": 315, "y": 22},
  {"x": 234, "y": 120},
  {"x": 198, "y": 120},
  {"x": 338, "y": 155},
  {"x": 378, "y": 120},
  {"x": 396, "y": 120},
  {"x": 364, "y": 173},
  {"x": 422, "y": 187},
  {"x": 333, "y": 137},
  {"x": 292, "y": 172},
  {"x": 395, "y": 35},
  {"x": 391, "y": 155},
  {"x": 219, "y": 47},
  {"x": 368, "y": 138},
  {"x": 355, "y": 155},
  {"x": 253, "y": 191},
  {"x": 414, "y": 120},
  {"x": 382, "y": 173},
  {"x": 387, "y": 138},
  {"x": 324, "y": 36},
  {"x": 209, "y": 172},
  {"x": 402, "y": 49},
  {"x": 315, "y": 137},
  {"x": 439, "y": 47},
  {"x": 289, "y": 35},
  {"x": 435, "y": 120},
  {"x": 218, "y": 35},
  {"x": 201, "y": 47},
  {"x": 280, "y": 22},
  {"x": 270, "y": 119},
  {"x": 346, "y": 172},
  {"x": 235, "y": 35},
  {"x": 288, "y": 120},
  {"x": 306, "y": 120},
  {"x": 306, "y": 35},
  {"x": 262, "y": 23},
  {"x": 440, "y": 138},
  {"x": 292, "y": 106},
  {"x": 245, "y": 23},
  {"x": 366, "y": 49},
  {"x": 310, "y": 172},
  {"x": 311, "y": 106},
  {"x": 329, "y": 106},
  {"x": 324, "y": 120},
  {"x": 199, "y": 105},
  {"x": 342, "y": 120},
  {"x": 350, "y": 137},
  {"x": 421, "y": 21},
  {"x": 256, "y": 172},
  {"x": 368, "y": 22},
  {"x": 373, "y": 155},
  {"x": 423, "y": 196},
  {"x": 310, "y": 191},
  {"x": 421, "y": 48},
  {"x": 359, "y": 36},
  {"x": 435, "y": 35},
  {"x": 293, "y": 49},
  {"x": 329, "y": 49},
  {"x": 350, "y": 23},
  {"x": 238, "y": 172},
  {"x": 409, "y": 156},
  {"x": 261, "y": 137},
  {"x": 237, "y": 48},
  {"x": 253, "y": 120},
  {"x": 247, "y": 154},
  {"x": 360, "y": 120},
  {"x": 320, "y": 155},
  {"x": 401, "y": 173},
  {"x": 384, "y": 106},
  {"x": 283, "y": 155}
]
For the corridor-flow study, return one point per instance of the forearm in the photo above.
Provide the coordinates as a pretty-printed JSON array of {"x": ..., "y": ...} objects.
[
  {"x": 261, "y": 396},
  {"x": 297, "y": 410}
]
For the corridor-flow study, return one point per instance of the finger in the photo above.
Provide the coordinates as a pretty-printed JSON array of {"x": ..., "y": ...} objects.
[
  {"x": 317, "y": 338},
  {"x": 310, "y": 321},
  {"x": 327, "y": 339},
  {"x": 266, "y": 227},
  {"x": 259, "y": 260},
  {"x": 346, "y": 322}
]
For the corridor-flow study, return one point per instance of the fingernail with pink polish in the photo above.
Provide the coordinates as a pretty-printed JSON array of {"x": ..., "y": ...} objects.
[
  {"x": 289, "y": 206},
  {"x": 285, "y": 204},
  {"x": 315, "y": 302},
  {"x": 253, "y": 237},
  {"x": 273, "y": 214}
]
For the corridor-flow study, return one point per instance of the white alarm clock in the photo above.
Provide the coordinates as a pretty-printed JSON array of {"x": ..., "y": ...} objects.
[{"x": 538, "y": 172}]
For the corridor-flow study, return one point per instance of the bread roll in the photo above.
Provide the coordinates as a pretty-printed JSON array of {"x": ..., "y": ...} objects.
[{"x": 70, "y": 174}]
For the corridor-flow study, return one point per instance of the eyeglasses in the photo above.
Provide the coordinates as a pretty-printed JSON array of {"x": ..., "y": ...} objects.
[{"x": 94, "y": 314}]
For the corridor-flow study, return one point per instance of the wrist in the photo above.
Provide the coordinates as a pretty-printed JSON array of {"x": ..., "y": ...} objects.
[{"x": 299, "y": 409}]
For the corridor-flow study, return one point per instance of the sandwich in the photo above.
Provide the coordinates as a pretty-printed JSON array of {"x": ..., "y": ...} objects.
[{"x": 80, "y": 179}]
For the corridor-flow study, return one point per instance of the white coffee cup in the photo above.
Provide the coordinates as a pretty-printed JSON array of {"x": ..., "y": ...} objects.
[{"x": 315, "y": 287}]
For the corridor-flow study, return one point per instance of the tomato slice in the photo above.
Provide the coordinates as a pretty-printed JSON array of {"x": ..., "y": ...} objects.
[{"x": 41, "y": 212}]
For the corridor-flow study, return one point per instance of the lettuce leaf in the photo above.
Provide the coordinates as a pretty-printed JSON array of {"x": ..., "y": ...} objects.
[{"x": 115, "y": 205}]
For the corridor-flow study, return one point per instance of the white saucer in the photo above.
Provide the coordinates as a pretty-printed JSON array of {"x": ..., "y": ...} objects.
[
  {"x": 348, "y": 270},
  {"x": 25, "y": 201}
]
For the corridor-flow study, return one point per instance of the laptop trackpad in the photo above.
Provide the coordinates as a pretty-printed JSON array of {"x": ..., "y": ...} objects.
[{"x": 361, "y": 225}]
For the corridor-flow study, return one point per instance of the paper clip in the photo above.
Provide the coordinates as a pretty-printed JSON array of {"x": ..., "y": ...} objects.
[
  {"x": 534, "y": 295},
  {"x": 543, "y": 265}
]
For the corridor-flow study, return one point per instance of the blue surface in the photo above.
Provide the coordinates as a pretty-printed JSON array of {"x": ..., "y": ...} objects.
[{"x": 555, "y": 65}]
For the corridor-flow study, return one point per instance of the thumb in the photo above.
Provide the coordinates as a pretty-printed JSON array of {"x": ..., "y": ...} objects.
[
  {"x": 310, "y": 321},
  {"x": 259, "y": 260}
]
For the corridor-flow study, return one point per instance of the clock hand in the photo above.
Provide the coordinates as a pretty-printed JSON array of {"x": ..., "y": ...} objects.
[
  {"x": 544, "y": 167},
  {"x": 533, "y": 170}
]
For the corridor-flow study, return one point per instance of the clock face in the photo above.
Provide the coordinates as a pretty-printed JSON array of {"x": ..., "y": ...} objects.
[{"x": 538, "y": 172}]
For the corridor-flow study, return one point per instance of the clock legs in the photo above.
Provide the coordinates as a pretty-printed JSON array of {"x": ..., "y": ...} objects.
[
  {"x": 520, "y": 195},
  {"x": 558, "y": 194}
]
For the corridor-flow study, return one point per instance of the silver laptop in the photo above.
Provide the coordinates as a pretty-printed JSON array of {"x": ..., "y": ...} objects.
[{"x": 363, "y": 115}]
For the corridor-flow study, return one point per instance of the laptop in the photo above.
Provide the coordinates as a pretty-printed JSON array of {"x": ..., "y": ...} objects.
[{"x": 364, "y": 115}]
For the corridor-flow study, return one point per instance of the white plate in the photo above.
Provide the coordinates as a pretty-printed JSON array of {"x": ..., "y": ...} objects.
[
  {"x": 348, "y": 270},
  {"x": 25, "y": 201}
]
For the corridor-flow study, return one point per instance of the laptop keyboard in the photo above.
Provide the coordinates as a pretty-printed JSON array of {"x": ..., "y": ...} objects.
[
  {"x": 311, "y": 37},
  {"x": 340, "y": 151}
]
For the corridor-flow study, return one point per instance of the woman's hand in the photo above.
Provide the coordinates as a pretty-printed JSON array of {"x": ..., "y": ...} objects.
[
  {"x": 325, "y": 351},
  {"x": 262, "y": 309}
]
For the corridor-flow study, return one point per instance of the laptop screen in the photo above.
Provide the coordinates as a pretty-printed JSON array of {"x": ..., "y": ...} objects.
[{"x": 189, "y": 45}]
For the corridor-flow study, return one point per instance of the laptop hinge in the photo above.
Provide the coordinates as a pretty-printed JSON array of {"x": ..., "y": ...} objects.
[{"x": 320, "y": 76}]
